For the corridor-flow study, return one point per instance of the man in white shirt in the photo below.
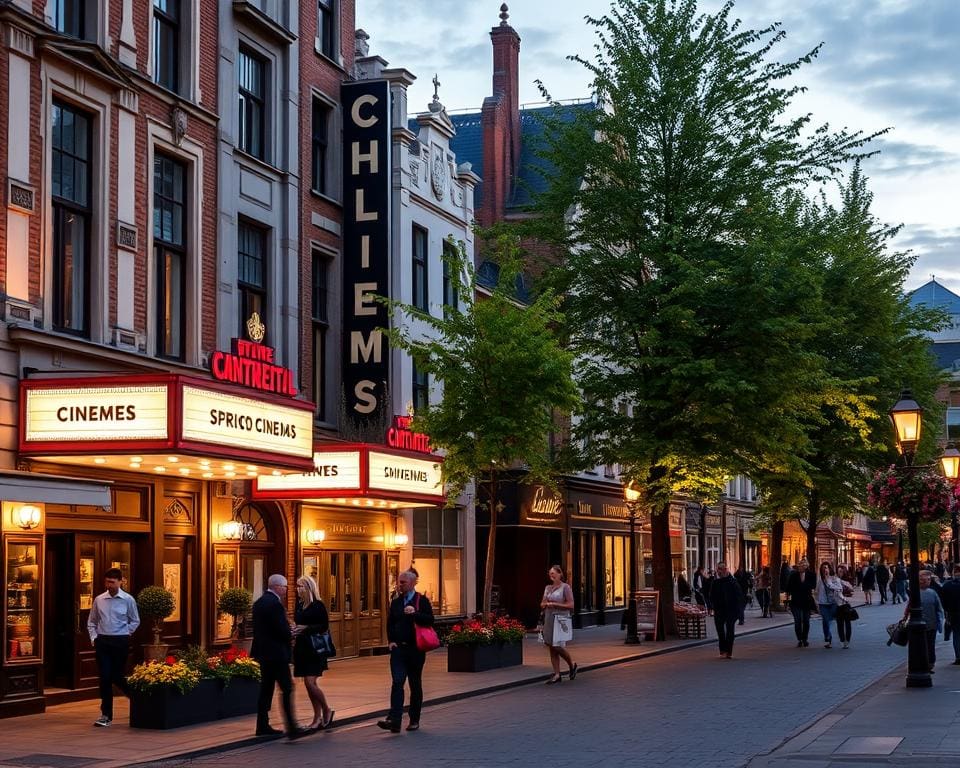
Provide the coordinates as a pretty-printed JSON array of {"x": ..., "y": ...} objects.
[{"x": 113, "y": 618}]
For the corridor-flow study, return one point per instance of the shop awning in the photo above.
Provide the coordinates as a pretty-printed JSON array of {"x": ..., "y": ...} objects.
[{"x": 52, "y": 489}]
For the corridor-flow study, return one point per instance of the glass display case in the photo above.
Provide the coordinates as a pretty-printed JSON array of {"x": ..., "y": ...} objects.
[{"x": 22, "y": 615}]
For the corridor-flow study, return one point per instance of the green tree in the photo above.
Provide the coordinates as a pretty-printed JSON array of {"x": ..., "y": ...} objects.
[
  {"x": 505, "y": 376},
  {"x": 686, "y": 300}
]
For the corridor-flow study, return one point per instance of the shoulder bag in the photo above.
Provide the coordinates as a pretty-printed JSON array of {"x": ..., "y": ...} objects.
[
  {"x": 427, "y": 639},
  {"x": 322, "y": 645},
  {"x": 562, "y": 628}
]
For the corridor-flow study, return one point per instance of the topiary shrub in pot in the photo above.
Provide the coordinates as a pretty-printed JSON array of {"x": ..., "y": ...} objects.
[
  {"x": 235, "y": 602},
  {"x": 155, "y": 604}
]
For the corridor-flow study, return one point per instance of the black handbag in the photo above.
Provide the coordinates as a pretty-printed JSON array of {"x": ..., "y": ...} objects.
[
  {"x": 898, "y": 633},
  {"x": 848, "y": 612},
  {"x": 322, "y": 645}
]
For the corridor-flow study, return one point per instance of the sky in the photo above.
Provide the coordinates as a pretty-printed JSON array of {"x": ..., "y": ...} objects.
[{"x": 883, "y": 64}]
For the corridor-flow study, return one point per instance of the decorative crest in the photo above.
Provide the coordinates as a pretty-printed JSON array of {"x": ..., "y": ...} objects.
[{"x": 255, "y": 328}]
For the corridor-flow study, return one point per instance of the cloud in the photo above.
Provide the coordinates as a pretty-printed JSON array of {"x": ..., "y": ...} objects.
[{"x": 903, "y": 157}]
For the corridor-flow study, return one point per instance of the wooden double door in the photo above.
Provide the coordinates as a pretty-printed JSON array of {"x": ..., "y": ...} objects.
[
  {"x": 353, "y": 585},
  {"x": 74, "y": 576}
]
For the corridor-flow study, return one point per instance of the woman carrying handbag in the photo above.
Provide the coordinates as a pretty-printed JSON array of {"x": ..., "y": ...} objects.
[
  {"x": 312, "y": 622},
  {"x": 557, "y": 603}
]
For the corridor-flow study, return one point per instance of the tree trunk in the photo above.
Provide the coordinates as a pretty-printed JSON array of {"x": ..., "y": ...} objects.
[
  {"x": 813, "y": 520},
  {"x": 776, "y": 563},
  {"x": 663, "y": 568},
  {"x": 492, "y": 486}
]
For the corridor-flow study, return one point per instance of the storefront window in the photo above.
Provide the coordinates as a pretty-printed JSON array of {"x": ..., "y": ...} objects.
[
  {"x": 225, "y": 577},
  {"x": 615, "y": 571},
  {"x": 438, "y": 558},
  {"x": 584, "y": 581}
]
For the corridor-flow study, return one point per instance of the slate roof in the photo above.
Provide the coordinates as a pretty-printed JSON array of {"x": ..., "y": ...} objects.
[
  {"x": 468, "y": 146},
  {"x": 932, "y": 294}
]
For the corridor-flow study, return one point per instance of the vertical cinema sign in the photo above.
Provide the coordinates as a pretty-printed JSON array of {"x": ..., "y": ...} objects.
[{"x": 366, "y": 246}]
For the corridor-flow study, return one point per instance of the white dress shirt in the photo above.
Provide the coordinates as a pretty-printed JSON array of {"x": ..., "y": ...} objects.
[{"x": 113, "y": 615}]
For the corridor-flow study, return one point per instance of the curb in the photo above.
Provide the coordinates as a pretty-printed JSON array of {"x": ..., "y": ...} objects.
[{"x": 482, "y": 691}]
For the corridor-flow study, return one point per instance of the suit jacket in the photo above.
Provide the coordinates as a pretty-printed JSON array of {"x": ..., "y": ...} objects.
[
  {"x": 400, "y": 625},
  {"x": 271, "y": 631},
  {"x": 801, "y": 590},
  {"x": 726, "y": 598}
]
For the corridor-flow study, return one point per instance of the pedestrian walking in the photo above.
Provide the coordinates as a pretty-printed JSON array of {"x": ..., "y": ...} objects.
[
  {"x": 899, "y": 583},
  {"x": 868, "y": 582},
  {"x": 883, "y": 578},
  {"x": 557, "y": 603},
  {"x": 785, "y": 571},
  {"x": 408, "y": 610},
  {"x": 698, "y": 579},
  {"x": 950, "y": 597},
  {"x": 845, "y": 611},
  {"x": 829, "y": 598},
  {"x": 113, "y": 618},
  {"x": 932, "y": 615},
  {"x": 800, "y": 590},
  {"x": 272, "y": 638},
  {"x": 762, "y": 589},
  {"x": 742, "y": 577},
  {"x": 707, "y": 586},
  {"x": 312, "y": 623},
  {"x": 727, "y": 601}
]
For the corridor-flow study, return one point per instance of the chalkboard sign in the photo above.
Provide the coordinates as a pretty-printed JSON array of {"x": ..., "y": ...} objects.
[{"x": 648, "y": 604}]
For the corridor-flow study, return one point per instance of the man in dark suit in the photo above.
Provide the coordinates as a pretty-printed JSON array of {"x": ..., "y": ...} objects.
[
  {"x": 406, "y": 660},
  {"x": 272, "y": 638}
]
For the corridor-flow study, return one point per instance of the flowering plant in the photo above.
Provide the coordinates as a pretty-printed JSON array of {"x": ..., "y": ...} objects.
[
  {"x": 152, "y": 675},
  {"x": 235, "y": 662},
  {"x": 896, "y": 492},
  {"x": 481, "y": 632}
]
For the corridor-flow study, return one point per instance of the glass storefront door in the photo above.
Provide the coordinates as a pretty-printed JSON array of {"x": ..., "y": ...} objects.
[{"x": 353, "y": 586}]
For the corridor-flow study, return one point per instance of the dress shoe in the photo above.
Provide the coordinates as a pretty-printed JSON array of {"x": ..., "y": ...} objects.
[
  {"x": 414, "y": 726},
  {"x": 299, "y": 733},
  {"x": 389, "y": 725},
  {"x": 268, "y": 731},
  {"x": 806, "y": 643}
]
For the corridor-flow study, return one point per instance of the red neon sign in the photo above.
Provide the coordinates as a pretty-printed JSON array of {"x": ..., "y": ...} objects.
[
  {"x": 400, "y": 435},
  {"x": 251, "y": 365}
]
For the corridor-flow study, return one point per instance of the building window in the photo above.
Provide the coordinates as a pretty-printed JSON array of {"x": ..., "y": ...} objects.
[
  {"x": 320, "y": 150},
  {"x": 69, "y": 17},
  {"x": 326, "y": 27},
  {"x": 421, "y": 389},
  {"x": 72, "y": 216},
  {"x": 166, "y": 43},
  {"x": 251, "y": 125},
  {"x": 713, "y": 551},
  {"x": 615, "y": 572},
  {"x": 170, "y": 254},
  {"x": 321, "y": 269},
  {"x": 691, "y": 555},
  {"x": 420, "y": 300},
  {"x": 438, "y": 558},
  {"x": 584, "y": 560},
  {"x": 953, "y": 424},
  {"x": 450, "y": 298},
  {"x": 251, "y": 272}
]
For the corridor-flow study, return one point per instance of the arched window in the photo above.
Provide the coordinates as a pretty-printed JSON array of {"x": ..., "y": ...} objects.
[{"x": 254, "y": 525}]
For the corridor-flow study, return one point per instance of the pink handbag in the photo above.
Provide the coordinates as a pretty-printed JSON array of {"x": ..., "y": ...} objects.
[{"x": 427, "y": 639}]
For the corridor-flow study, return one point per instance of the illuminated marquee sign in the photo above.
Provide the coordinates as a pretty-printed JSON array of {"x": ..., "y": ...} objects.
[
  {"x": 251, "y": 364},
  {"x": 96, "y": 414},
  {"x": 366, "y": 248},
  {"x": 390, "y": 472},
  {"x": 400, "y": 435},
  {"x": 223, "y": 419},
  {"x": 335, "y": 471}
]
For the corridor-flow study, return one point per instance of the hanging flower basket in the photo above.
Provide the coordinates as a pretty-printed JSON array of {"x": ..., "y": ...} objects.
[{"x": 897, "y": 492}]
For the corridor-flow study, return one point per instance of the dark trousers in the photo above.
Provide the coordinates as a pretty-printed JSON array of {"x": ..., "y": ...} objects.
[
  {"x": 111, "y": 654},
  {"x": 406, "y": 665},
  {"x": 882, "y": 587},
  {"x": 801, "y": 621},
  {"x": 274, "y": 673},
  {"x": 932, "y": 646},
  {"x": 763, "y": 597},
  {"x": 844, "y": 628},
  {"x": 725, "y": 632}
]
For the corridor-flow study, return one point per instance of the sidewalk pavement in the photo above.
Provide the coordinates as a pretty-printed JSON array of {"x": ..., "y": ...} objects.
[
  {"x": 885, "y": 724},
  {"x": 358, "y": 689}
]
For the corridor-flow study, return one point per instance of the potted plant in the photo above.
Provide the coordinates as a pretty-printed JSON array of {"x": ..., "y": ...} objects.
[
  {"x": 235, "y": 602},
  {"x": 193, "y": 687},
  {"x": 477, "y": 645},
  {"x": 155, "y": 604}
]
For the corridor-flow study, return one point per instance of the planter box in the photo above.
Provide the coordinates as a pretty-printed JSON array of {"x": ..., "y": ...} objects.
[
  {"x": 480, "y": 658},
  {"x": 210, "y": 700}
]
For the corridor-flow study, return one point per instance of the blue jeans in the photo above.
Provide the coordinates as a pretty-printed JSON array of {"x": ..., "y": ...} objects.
[
  {"x": 901, "y": 589},
  {"x": 406, "y": 665},
  {"x": 828, "y": 612}
]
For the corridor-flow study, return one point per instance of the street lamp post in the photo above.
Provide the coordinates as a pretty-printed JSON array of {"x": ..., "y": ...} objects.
[
  {"x": 950, "y": 463},
  {"x": 907, "y": 423},
  {"x": 632, "y": 498}
]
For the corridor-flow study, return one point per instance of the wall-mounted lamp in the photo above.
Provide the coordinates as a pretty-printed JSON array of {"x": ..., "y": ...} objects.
[
  {"x": 27, "y": 516},
  {"x": 231, "y": 530},
  {"x": 315, "y": 535},
  {"x": 401, "y": 539}
]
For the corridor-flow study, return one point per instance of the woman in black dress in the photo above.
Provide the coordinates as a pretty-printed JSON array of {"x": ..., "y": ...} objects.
[{"x": 311, "y": 618}]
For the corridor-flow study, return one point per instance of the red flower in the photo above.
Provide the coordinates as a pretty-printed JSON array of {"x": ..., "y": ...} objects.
[{"x": 170, "y": 660}]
